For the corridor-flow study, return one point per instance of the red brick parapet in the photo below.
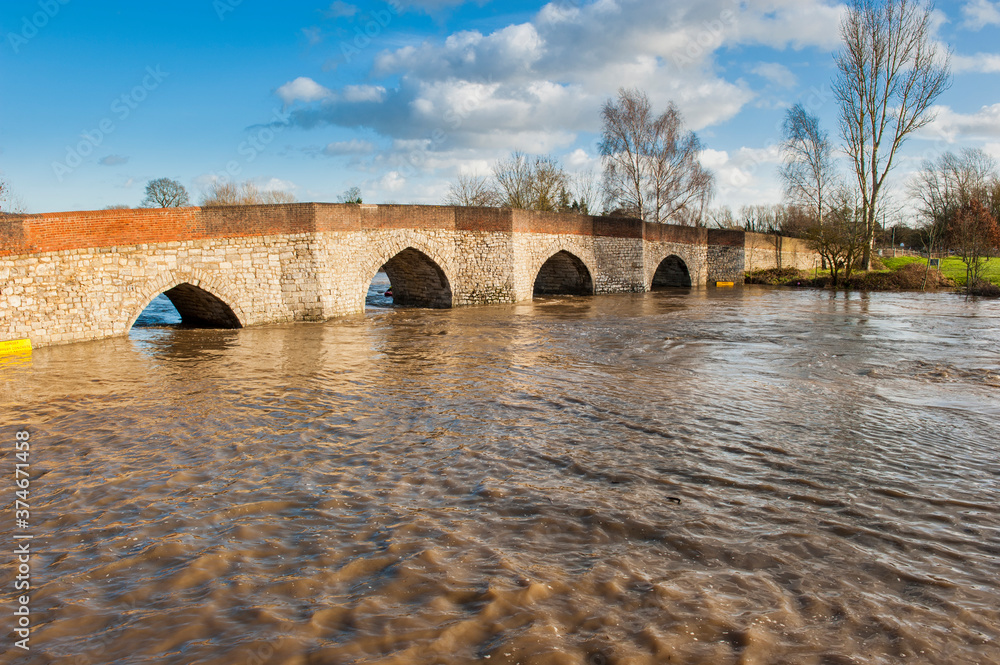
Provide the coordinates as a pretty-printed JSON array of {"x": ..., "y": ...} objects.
[{"x": 57, "y": 231}]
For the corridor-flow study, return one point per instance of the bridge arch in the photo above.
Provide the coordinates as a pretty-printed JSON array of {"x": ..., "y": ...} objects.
[
  {"x": 671, "y": 271},
  {"x": 419, "y": 275},
  {"x": 563, "y": 273},
  {"x": 198, "y": 300}
]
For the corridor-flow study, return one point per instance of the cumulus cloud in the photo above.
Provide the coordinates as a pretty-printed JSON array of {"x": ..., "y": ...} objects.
[
  {"x": 980, "y": 63},
  {"x": 537, "y": 85},
  {"x": 581, "y": 161},
  {"x": 113, "y": 160},
  {"x": 713, "y": 159},
  {"x": 392, "y": 181},
  {"x": 951, "y": 126},
  {"x": 303, "y": 89},
  {"x": 980, "y": 13},
  {"x": 745, "y": 176}
]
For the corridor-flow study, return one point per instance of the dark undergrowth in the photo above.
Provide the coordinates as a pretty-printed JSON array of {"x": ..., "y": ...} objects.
[{"x": 905, "y": 278}]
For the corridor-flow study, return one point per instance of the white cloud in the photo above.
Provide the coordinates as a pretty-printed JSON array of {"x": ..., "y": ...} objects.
[
  {"x": 981, "y": 63},
  {"x": 713, "y": 159},
  {"x": 549, "y": 76},
  {"x": 454, "y": 104},
  {"x": 951, "y": 126},
  {"x": 980, "y": 13},
  {"x": 364, "y": 93},
  {"x": 993, "y": 149},
  {"x": 275, "y": 185},
  {"x": 776, "y": 73},
  {"x": 581, "y": 161},
  {"x": 746, "y": 175},
  {"x": 390, "y": 182},
  {"x": 303, "y": 89}
]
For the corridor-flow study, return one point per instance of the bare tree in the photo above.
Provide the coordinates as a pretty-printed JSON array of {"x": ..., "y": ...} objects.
[
  {"x": 351, "y": 195},
  {"x": 521, "y": 182},
  {"x": 840, "y": 241},
  {"x": 513, "y": 177},
  {"x": 763, "y": 218},
  {"x": 625, "y": 147},
  {"x": 164, "y": 193},
  {"x": 722, "y": 218},
  {"x": 889, "y": 74},
  {"x": 945, "y": 186},
  {"x": 993, "y": 196},
  {"x": 548, "y": 185},
  {"x": 247, "y": 193},
  {"x": 276, "y": 196},
  {"x": 651, "y": 165},
  {"x": 586, "y": 193},
  {"x": 10, "y": 203},
  {"x": 526, "y": 183},
  {"x": 808, "y": 171},
  {"x": 679, "y": 183},
  {"x": 472, "y": 190},
  {"x": 974, "y": 234}
]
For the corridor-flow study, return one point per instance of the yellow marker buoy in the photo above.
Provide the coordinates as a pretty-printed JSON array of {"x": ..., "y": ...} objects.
[
  {"x": 724, "y": 284},
  {"x": 15, "y": 346}
]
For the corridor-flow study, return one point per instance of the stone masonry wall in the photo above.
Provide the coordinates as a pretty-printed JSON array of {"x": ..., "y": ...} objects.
[
  {"x": 726, "y": 257},
  {"x": 87, "y": 275},
  {"x": 765, "y": 251},
  {"x": 75, "y": 295}
]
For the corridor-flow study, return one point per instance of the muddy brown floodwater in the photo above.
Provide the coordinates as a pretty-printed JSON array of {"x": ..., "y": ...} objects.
[{"x": 719, "y": 477}]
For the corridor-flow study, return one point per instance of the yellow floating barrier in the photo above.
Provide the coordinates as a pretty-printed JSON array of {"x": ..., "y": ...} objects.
[
  {"x": 725, "y": 284},
  {"x": 15, "y": 346}
]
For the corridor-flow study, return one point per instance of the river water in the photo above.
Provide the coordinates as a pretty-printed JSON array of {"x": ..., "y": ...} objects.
[{"x": 709, "y": 476}]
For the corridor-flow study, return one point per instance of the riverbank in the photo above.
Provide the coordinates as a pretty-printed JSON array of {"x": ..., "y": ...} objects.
[{"x": 897, "y": 274}]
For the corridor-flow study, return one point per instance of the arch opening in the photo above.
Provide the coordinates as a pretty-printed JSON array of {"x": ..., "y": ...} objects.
[
  {"x": 414, "y": 280},
  {"x": 563, "y": 274},
  {"x": 188, "y": 305},
  {"x": 672, "y": 273}
]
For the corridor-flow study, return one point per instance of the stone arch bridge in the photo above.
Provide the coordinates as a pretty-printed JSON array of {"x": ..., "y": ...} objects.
[{"x": 67, "y": 277}]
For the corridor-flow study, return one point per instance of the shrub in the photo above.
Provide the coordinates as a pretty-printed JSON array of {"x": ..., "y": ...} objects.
[{"x": 983, "y": 288}]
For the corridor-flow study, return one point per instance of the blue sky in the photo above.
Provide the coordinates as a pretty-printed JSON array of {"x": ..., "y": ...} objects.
[{"x": 400, "y": 97}]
